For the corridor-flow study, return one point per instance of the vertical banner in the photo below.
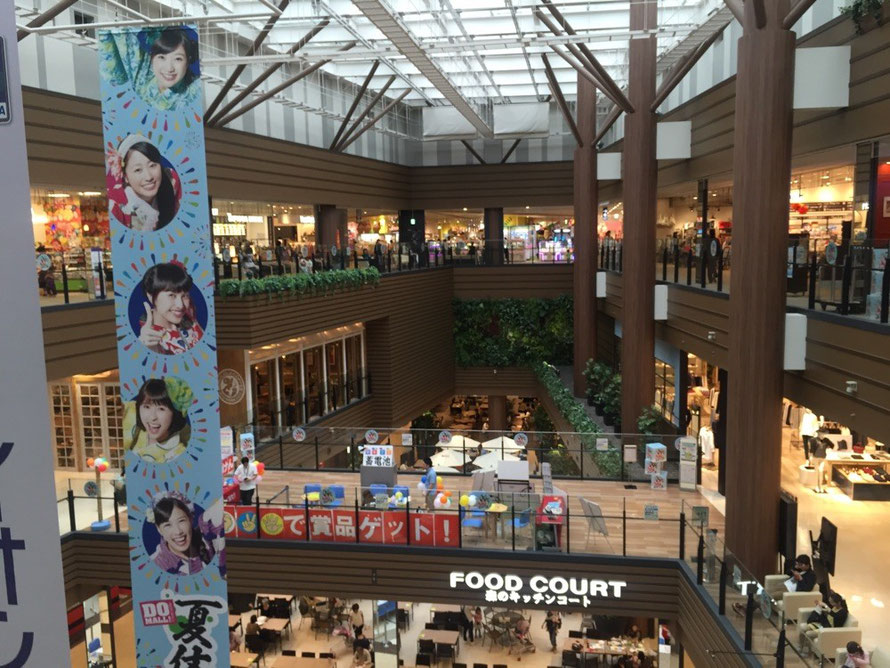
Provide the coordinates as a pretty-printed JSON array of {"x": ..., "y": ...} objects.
[
  {"x": 163, "y": 290},
  {"x": 32, "y": 594}
]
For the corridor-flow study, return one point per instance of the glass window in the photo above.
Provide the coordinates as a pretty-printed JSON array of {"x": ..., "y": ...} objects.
[
  {"x": 334, "y": 361},
  {"x": 664, "y": 390},
  {"x": 291, "y": 390},
  {"x": 354, "y": 371},
  {"x": 313, "y": 381},
  {"x": 101, "y": 421},
  {"x": 261, "y": 379},
  {"x": 63, "y": 425}
]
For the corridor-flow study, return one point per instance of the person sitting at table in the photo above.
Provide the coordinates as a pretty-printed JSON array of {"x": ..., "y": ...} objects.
[
  {"x": 253, "y": 629},
  {"x": 832, "y": 615},
  {"x": 234, "y": 640},
  {"x": 361, "y": 658},
  {"x": 633, "y": 632}
]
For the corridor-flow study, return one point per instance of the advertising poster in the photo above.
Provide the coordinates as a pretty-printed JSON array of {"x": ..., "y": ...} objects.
[
  {"x": 32, "y": 593},
  {"x": 163, "y": 291}
]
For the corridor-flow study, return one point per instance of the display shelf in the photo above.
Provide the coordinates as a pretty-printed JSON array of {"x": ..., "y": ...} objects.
[{"x": 860, "y": 489}]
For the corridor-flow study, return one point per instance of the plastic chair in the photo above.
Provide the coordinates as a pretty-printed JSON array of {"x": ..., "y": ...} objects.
[
  {"x": 426, "y": 647},
  {"x": 378, "y": 488},
  {"x": 403, "y": 489},
  {"x": 254, "y": 644},
  {"x": 444, "y": 652},
  {"x": 424, "y": 660},
  {"x": 311, "y": 487},
  {"x": 339, "y": 495},
  {"x": 570, "y": 659},
  {"x": 524, "y": 519}
]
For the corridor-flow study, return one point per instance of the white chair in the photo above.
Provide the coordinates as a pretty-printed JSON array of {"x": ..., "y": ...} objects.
[
  {"x": 879, "y": 658},
  {"x": 790, "y": 603},
  {"x": 826, "y": 642}
]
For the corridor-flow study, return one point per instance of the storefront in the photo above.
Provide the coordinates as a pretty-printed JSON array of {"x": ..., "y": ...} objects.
[
  {"x": 260, "y": 224},
  {"x": 86, "y": 414},
  {"x": 706, "y": 413},
  {"x": 302, "y": 379}
]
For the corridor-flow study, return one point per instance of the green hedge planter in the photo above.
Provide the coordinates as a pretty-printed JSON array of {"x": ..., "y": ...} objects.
[{"x": 301, "y": 285}]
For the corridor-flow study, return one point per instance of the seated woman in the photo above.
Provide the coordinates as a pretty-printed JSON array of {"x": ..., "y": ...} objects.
[
  {"x": 856, "y": 656},
  {"x": 361, "y": 658},
  {"x": 831, "y": 616}
]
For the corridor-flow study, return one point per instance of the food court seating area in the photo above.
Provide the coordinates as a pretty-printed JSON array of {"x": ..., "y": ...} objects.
[{"x": 315, "y": 632}]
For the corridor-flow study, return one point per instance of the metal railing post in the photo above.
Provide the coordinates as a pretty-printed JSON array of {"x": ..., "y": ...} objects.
[
  {"x": 720, "y": 270},
  {"x": 703, "y": 266},
  {"x": 512, "y": 523},
  {"x": 356, "y": 520},
  {"x": 117, "y": 519},
  {"x": 721, "y": 597},
  {"x": 682, "y": 534},
  {"x": 885, "y": 295},
  {"x": 749, "y": 620},
  {"x": 280, "y": 451},
  {"x": 689, "y": 267},
  {"x": 624, "y": 529},
  {"x": 72, "y": 517},
  {"x": 700, "y": 556},
  {"x": 780, "y": 649},
  {"x": 677, "y": 263},
  {"x": 306, "y": 507},
  {"x": 664, "y": 264},
  {"x": 845, "y": 284},
  {"x": 65, "y": 282},
  {"x": 568, "y": 529},
  {"x": 259, "y": 525},
  {"x": 317, "y": 466},
  {"x": 814, "y": 268}
]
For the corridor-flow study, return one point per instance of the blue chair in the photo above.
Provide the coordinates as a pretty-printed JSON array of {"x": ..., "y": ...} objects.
[
  {"x": 378, "y": 488},
  {"x": 524, "y": 519},
  {"x": 401, "y": 488},
  {"x": 339, "y": 495},
  {"x": 311, "y": 487}
]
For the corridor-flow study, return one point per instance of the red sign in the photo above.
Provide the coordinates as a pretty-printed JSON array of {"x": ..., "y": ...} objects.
[
  {"x": 157, "y": 613},
  {"x": 228, "y": 466},
  {"x": 338, "y": 525}
]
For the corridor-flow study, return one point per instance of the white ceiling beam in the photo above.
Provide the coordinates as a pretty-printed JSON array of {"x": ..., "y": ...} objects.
[{"x": 396, "y": 32}]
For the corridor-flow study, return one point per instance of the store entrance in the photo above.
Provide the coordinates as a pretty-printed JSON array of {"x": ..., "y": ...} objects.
[{"x": 706, "y": 421}]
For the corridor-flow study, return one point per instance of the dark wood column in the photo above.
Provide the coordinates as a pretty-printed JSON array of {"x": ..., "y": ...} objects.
[
  {"x": 494, "y": 236},
  {"x": 762, "y": 170},
  {"x": 328, "y": 219},
  {"x": 497, "y": 412},
  {"x": 586, "y": 196},
  {"x": 640, "y": 180}
]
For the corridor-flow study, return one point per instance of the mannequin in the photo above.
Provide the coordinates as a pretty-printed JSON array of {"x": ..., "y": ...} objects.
[
  {"x": 706, "y": 438},
  {"x": 809, "y": 426}
]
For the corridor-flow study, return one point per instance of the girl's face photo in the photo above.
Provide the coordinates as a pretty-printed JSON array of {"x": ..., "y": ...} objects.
[
  {"x": 157, "y": 418},
  {"x": 177, "y": 532},
  {"x": 171, "y": 307},
  {"x": 170, "y": 68},
  {"x": 143, "y": 175}
]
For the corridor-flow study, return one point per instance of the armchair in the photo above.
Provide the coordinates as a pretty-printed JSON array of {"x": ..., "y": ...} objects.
[{"x": 826, "y": 642}]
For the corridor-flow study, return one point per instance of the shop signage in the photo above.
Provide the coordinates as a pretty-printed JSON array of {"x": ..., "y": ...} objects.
[
  {"x": 231, "y": 386},
  {"x": 831, "y": 253},
  {"x": 307, "y": 220},
  {"x": 521, "y": 439},
  {"x": 238, "y": 218},
  {"x": 537, "y": 589},
  {"x": 32, "y": 592},
  {"x": 408, "y": 439},
  {"x": 377, "y": 455},
  {"x": 371, "y": 436},
  {"x": 332, "y": 525},
  {"x": 227, "y": 442},
  {"x": 229, "y": 230},
  {"x": 444, "y": 437},
  {"x": 159, "y": 213},
  {"x": 247, "y": 445},
  {"x": 299, "y": 434},
  {"x": 650, "y": 512},
  {"x": 700, "y": 516}
]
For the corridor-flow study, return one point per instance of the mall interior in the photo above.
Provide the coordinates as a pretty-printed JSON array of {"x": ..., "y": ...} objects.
[{"x": 554, "y": 332}]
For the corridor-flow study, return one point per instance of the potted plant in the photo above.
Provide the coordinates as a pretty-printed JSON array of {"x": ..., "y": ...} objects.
[
  {"x": 648, "y": 421},
  {"x": 865, "y": 14},
  {"x": 612, "y": 401}
]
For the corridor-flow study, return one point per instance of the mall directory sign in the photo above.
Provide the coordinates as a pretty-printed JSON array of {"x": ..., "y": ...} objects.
[
  {"x": 32, "y": 592},
  {"x": 156, "y": 178}
]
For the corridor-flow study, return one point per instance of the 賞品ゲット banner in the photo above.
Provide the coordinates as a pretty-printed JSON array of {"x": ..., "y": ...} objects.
[{"x": 163, "y": 291}]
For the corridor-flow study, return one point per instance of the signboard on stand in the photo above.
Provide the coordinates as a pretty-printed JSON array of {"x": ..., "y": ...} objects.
[
  {"x": 156, "y": 178},
  {"x": 378, "y": 455},
  {"x": 33, "y": 629}
]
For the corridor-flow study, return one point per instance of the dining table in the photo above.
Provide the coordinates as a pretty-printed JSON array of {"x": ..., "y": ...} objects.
[
  {"x": 242, "y": 659},
  {"x": 300, "y": 662}
]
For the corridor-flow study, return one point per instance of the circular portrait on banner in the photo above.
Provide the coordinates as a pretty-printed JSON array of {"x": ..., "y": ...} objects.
[
  {"x": 156, "y": 424},
  {"x": 144, "y": 189},
  {"x": 180, "y": 537},
  {"x": 160, "y": 64},
  {"x": 167, "y": 311}
]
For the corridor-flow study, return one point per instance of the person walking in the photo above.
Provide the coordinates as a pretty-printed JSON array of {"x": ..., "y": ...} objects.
[
  {"x": 553, "y": 622},
  {"x": 357, "y": 619},
  {"x": 246, "y": 475}
]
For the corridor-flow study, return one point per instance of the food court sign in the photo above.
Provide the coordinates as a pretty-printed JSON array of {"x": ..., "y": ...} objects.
[{"x": 537, "y": 589}]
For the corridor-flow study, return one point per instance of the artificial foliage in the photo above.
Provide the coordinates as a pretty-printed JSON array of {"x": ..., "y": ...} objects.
[
  {"x": 859, "y": 10},
  {"x": 320, "y": 283},
  {"x": 512, "y": 332}
]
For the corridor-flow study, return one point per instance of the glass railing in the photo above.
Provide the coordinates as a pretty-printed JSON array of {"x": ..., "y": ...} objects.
[
  {"x": 74, "y": 277},
  {"x": 850, "y": 283}
]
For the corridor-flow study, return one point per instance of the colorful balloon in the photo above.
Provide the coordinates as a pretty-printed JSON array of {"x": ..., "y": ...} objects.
[
  {"x": 91, "y": 462},
  {"x": 464, "y": 501},
  {"x": 473, "y": 500}
]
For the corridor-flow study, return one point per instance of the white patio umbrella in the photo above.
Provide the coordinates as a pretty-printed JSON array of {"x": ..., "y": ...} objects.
[
  {"x": 504, "y": 443},
  {"x": 448, "y": 458},
  {"x": 489, "y": 461},
  {"x": 459, "y": 441}
]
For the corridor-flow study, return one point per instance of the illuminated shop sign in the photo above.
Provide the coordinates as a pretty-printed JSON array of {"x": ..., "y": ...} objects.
[
  {"x": 238, "y": 218},
  {"x": 229, "y": 230},
  {"x": 537, "y": 589}
]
